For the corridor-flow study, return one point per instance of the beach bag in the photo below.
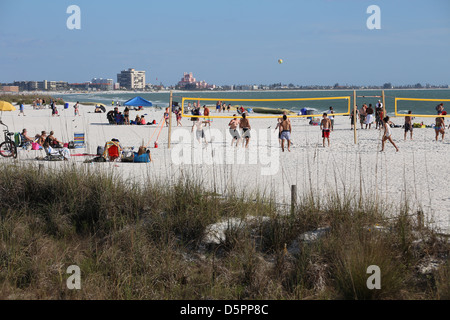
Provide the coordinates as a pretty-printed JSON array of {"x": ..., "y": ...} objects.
[
  {"x": 17, "y": 139},
  {"x": 143, "y": 158},
  {"x": 35, "y": 146},
  {"x": 99, "y": 159},
  {"x": 71, "y": 145},
  {"x": 100, "y": 150}
]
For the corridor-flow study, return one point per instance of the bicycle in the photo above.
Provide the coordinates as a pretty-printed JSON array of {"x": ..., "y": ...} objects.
[{"x": 8, "y": 147}]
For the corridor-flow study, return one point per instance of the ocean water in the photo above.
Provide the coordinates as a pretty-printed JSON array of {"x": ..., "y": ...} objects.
[{"x": 161, "y": 99}]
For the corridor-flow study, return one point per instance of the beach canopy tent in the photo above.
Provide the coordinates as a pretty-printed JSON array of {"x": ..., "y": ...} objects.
[{"x": 138, "y": 102}]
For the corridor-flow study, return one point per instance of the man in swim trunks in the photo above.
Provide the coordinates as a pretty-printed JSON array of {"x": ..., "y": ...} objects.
[
  {"x": 200, "y": 133},
  {"x": 362, "y": 115},
  {"x": 245, "y": 126},
  {"x": 408, "y": 125},
  {"x": 369, "y": 116},
  {"x": 285, "y": 132},
  {"x": 325, "y": 126},
  {"x": 234, "y": 123}
]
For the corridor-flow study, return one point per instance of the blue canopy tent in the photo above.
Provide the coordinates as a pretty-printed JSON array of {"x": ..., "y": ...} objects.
[{"x": 137, "y": 102}]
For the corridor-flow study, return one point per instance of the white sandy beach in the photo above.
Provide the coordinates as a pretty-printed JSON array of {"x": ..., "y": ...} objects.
[{"x": 419, "y": 171}]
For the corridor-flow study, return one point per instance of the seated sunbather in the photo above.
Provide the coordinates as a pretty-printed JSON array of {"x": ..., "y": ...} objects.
[
  {"x": 64, "y": 152},
  {"x": 25, "y": 137},
  {"x": 41, "y": 138},
  {"x": 55, "y": 143}
]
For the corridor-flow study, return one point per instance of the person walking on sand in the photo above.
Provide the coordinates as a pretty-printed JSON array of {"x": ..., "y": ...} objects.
[
  {"x": 387, "y": 134},
  {"x": 325, "y": 126},
  {"x": 21, "y": 109},
  {"x": 285, "y": 133},
  {"x": 178, "y": 117},
  {"x": 245, "y": 126},
  {"x": 76, "y": 109},
  {"x": 234, "y": 123},
  {"x": 439, "y": 127},
  {"x": 408, "y": 125}
]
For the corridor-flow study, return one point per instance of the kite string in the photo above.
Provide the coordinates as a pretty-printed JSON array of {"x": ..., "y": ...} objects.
[{"x": 154, "y": 131}]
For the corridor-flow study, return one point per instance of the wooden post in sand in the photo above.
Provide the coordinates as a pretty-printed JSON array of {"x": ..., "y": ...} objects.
[
  {"x": 170, "y": 118},
  {"x": 293, "y": 198},
  {"x": 384, "y": 104},
  {"x": 354, "y": 116}
]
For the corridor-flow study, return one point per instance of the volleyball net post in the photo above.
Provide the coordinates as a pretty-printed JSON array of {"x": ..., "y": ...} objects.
[
  {"x": 170, "y": 119},
  {"x": 354, "y": 117},
  {"x": 183, "y": 114},
  {"x": 418, "y": 115}
]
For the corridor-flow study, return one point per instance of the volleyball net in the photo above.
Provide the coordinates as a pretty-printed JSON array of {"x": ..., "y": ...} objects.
[
  {"x": 266, "y": 108},
  {"x": 430, "y": 105}
]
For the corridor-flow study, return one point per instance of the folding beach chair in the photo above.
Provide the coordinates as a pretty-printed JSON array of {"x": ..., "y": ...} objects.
[
  {"x": 78, "y": 140},
  {"x": 113, "y": 151}
]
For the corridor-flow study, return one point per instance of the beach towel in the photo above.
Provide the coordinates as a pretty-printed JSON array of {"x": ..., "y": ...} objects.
[{"x": 141, "y": 158}]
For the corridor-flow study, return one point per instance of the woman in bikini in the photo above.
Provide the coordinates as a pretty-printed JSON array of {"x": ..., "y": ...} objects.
[{"x": 439, "y": 127}]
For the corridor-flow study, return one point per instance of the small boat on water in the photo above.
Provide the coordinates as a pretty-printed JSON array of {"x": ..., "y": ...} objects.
[{"x": 271, "y": 110}]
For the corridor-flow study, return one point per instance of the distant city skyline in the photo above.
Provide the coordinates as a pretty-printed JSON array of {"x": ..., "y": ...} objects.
[{"x": 231, "y": 42}]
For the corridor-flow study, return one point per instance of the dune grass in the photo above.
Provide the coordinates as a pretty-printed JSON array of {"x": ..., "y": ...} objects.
[{"x": 134, "y": 242}]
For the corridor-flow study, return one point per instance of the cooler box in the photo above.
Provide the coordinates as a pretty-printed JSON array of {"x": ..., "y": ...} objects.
[{"x": 66, "y": 106}]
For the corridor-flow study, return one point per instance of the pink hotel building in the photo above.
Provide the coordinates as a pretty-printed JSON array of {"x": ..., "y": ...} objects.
[{"x": 189, "y": 80}]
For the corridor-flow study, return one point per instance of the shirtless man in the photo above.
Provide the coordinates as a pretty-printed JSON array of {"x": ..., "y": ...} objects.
[
  {"x": 52, "y": 140},
  {"x": 325, "y": 126},
  {"x": 234, "y": 123},
  {"x": 245, "y": 126},
  {"x": 408, "y": 125},
  {"x": 285, "y": 132},
  {"x": 439, "y": 127},
  {"x": 362, "y": 115},
  {"x": 200, "y": 133}
]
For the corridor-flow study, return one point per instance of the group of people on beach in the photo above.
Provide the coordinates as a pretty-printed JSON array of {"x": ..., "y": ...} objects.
[
  {"x": 118, "y": 118},
  {"x": 368, "y": 115},
  {"x": 41, "y": 139}
]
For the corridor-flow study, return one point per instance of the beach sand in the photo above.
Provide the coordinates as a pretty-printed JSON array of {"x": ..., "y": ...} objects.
[{"x": 418, "y": 172}]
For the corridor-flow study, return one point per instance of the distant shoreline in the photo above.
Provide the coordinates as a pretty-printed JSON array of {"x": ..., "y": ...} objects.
[{"x": 205, "y": 91}]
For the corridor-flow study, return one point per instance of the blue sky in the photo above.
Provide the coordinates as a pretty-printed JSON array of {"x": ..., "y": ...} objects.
[{"x": 228, "y": 42}]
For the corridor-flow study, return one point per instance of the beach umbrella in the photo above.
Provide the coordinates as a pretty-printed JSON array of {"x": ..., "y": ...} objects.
[
  {"x": 137, "y": 102},
  {"x": 6, "y": 106}
]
